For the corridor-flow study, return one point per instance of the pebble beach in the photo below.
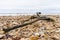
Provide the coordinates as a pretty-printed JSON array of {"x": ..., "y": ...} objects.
[{"x": 40, "y": 30}]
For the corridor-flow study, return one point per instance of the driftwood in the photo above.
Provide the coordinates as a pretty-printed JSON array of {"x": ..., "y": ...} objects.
[
  {"x": 33, "y": 17},
  {"x": 17, "y": 26}
]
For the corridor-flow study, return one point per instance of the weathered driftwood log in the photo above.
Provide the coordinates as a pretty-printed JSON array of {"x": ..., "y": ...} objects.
[
  {"x": 38, "y": 17},
  {"x": 33, "y": 17}
]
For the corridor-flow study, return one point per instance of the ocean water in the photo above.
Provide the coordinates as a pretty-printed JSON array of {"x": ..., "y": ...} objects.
[{"x": 14, "y": 12}]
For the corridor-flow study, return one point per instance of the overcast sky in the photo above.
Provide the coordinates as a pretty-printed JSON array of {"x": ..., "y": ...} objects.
[{"x": 26, "y": 6}]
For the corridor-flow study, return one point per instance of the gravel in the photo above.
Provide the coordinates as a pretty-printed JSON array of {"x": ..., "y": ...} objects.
[{"x": 40, "y": 30}]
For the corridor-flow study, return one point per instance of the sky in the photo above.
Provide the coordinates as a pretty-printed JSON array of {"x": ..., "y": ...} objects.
[{"x": 29, "y": 6}]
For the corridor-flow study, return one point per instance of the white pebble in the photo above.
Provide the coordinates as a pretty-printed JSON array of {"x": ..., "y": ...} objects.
[
  {"x": 1, "y": 35},
  {"x": 36, "y": 33}
]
